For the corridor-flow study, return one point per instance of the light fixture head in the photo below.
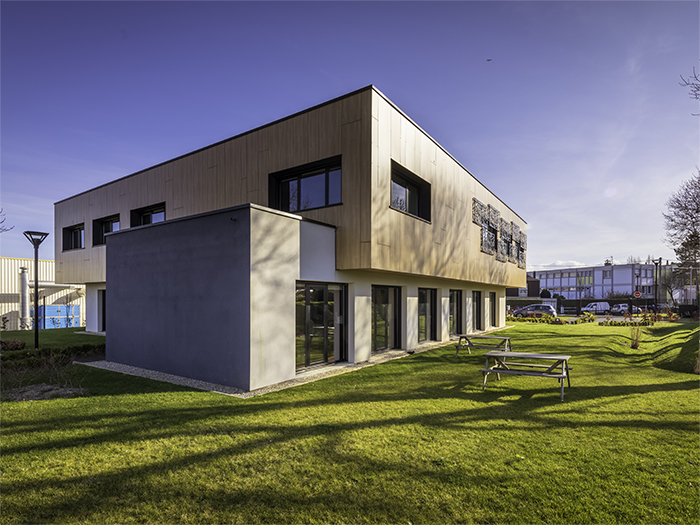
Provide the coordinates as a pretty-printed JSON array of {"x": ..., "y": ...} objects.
[{"x": 36, "y": 238}]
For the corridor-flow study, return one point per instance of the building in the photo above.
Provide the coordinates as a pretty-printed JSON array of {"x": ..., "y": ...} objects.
[
  {"x": 605, "y": 281},
  {"x": 60, "y": 305},
  {"x": 325, "y": 236}
]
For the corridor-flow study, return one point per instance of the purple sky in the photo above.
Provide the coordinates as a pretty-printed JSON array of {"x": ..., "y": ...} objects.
[{"x": 577, "y": 121}]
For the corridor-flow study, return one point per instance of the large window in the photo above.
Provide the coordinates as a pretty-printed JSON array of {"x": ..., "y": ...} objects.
[
  {"x": 386, "y": 315},
  {"x": 307, "y": 187},
  {"x": 320, "y": 325},
  {"x": 148, "y": 215},
  {"x": 102, "y": 227},
  {"x": 74, "y": 237},
  {"x": 409, "y": 193}
]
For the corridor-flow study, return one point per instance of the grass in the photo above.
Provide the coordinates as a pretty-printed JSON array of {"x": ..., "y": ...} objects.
[
  {"x": 57, "y": 337},
  {"x": 411, "y": 440}
]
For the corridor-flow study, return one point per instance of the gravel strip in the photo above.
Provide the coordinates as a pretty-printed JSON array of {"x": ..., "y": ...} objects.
[{"x": 303, "y": 376}]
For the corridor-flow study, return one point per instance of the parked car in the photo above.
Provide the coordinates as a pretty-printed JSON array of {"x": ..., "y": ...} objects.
[
  {"x": 601, "y": 307},
  {"x": 620, "y": 309},
  {"x": 535, "y": 310}
]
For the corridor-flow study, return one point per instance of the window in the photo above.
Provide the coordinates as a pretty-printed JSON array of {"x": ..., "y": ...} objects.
[
  {"x": 455, "y": 312},
  {"x": 74, "y": 237},
  {"x": 386, "y": 317},
  {"x": 102, "y": 227},
  {"x": 409, "y": 193},
  {"x": 427, "y": 314},
  {"x": 607, "y": 274},
  {"x": 148, "y": 215},
  {"x": 307, "y": 187}
]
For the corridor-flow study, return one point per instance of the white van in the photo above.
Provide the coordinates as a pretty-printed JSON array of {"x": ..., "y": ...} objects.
[{"x": 597, "y": 308}]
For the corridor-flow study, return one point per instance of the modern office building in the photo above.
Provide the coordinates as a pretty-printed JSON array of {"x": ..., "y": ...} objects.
[
  {"x": 604, "y": 281},
  {"x": 336, "y": 232}
]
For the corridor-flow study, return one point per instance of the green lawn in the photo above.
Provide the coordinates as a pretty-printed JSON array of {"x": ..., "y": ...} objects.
[
  {"x": 413, "y": 440},
  {"x": 54, "y": 338}
]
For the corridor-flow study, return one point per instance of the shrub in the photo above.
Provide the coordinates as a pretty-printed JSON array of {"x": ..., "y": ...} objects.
[
  {"x": 636, "y": 337},
  {"x": 12, "y": 344},
  {"x": 626, "y": 323}
]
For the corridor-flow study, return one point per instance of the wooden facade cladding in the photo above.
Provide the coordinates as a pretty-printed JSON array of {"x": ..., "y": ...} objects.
[{"x": 368, "y": 132}]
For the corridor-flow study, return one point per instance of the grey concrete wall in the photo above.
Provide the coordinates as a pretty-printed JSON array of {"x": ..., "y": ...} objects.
[{"x": 178, "y": 299}]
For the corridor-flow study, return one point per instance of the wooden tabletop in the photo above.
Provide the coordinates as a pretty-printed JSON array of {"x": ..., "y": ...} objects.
[{"x": 526, "y": 355}]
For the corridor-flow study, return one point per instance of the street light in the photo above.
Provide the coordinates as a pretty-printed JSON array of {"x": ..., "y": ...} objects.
[{"x": 36, "y": 238}]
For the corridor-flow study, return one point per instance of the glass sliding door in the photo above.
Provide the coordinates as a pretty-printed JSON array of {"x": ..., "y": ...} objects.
[
  {"x": 427, "y": 318},
  {"x": 320, "y": 324},
  {"x": 385, "y": 317},
  {"x": 476, "y": 311},
  {"x": 494, "y": 309},
  {"x": 455, "y": 312}
]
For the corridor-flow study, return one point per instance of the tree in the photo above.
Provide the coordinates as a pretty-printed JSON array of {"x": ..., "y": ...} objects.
[
  {"x": 682, "y": 221},
  {"x": 3, "y": 228},
  {"x": 693, "y": 82},
  {"x": 545, "y": 294}
]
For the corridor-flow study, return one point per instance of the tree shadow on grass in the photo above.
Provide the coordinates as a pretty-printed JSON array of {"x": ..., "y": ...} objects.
[{"x": 296, "y": 418}]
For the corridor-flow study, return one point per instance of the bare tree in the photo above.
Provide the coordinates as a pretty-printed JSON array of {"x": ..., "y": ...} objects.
[
  {"x": 682, "y": 221},
  {"x": 692, "y": 82},
  {"x": 4, "y": 228}
]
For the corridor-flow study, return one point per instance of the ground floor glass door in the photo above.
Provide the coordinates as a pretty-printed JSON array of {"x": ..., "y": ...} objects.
[
  {"x": 492, "y": 303},
  {"x": 455, "y": 312},
  {"x": 320, "y": 324},
  {"x": 427, "y": 314},
  {"x": 385, "y": 317},
  {"x": 476, "y": 311}
]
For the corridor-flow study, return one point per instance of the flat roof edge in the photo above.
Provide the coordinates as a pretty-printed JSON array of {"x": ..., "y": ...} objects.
[{"x": 204, "y": 148}]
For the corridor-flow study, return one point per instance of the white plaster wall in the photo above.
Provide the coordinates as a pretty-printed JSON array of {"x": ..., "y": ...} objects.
[
  {"x": 92, "y": 310},
  {"x": 317, "y": 253},
  {"x": 274, "y": 270},
  {"x": 360, "y": 307}
]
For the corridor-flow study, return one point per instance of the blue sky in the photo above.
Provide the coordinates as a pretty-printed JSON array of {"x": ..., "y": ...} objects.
[{"x": 571, "y": 112}]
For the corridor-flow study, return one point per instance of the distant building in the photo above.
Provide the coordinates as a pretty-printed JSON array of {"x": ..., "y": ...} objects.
[
  {"x": 60, "y": 305},
  {"x": 605, "y": 281}
]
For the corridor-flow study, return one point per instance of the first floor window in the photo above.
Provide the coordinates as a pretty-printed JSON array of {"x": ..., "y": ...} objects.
[
  {"x": 307, "y": 187},
  {"x": 409, "y": 193},
  {"x": 102, "y": 227},
  {"x": 74, "y": 237},
  {"x": 148, "y": 215}
]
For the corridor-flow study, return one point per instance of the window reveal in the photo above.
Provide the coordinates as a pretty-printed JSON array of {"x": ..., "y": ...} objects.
[
  {"x": 74, "y": 237},
  {"x": 409, "y": 193},
  {"x": 102, "y": 227}
]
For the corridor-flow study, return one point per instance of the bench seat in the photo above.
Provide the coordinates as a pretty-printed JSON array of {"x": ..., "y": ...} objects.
[{"x": 560, "y": 375}]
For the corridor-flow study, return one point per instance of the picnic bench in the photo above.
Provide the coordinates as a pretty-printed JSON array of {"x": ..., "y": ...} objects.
[
  {"x": 489, "y": 342},
  {"x": 503, "y": 364}
]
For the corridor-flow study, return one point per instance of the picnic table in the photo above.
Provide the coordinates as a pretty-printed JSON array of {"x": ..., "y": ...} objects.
[
  {"x": 504, "y": 364},
  {"x": 489, "y": 342}
]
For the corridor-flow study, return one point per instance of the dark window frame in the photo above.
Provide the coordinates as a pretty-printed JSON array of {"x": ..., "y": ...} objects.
[
  {"x": 278, "y": 179},
  {"x": 74, "y": 237},
  {"x": 138, "y": 215},
  {"x": 98, "y": 228},
  {"x": 418, "y": 191}
]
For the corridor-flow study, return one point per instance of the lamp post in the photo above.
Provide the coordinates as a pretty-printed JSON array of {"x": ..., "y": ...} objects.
[{"x": 36, "y": 238}]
